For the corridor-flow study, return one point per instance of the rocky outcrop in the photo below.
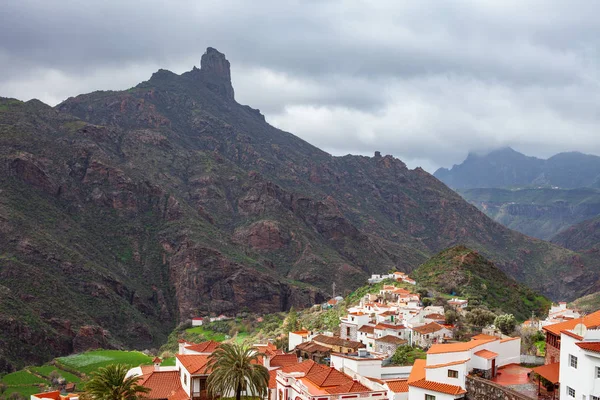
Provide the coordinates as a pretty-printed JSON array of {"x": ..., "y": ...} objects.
[
  {"x": 262, "y": 235},
  {"x": 215, "y": 70},
  {"x": 91, "y": 337}
]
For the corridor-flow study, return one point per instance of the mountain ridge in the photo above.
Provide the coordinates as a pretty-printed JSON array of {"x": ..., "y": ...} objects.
[{"x": 138, "y": 209}]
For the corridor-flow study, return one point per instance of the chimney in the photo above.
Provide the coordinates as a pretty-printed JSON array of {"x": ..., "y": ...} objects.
[{"x": 156, "y": 363}]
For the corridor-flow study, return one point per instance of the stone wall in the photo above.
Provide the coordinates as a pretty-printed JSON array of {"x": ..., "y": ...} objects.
[
  {"x": 552, "y": 354},
  {"x": 352, "y": 334},
  {"x": 482, "y": 389}
]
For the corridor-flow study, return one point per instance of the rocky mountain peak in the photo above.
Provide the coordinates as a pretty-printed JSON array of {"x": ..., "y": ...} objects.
[{"x": 216, "y": 70}]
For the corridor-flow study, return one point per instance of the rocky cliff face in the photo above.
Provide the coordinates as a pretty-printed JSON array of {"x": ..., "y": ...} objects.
[{"x": 123, "y": 213}]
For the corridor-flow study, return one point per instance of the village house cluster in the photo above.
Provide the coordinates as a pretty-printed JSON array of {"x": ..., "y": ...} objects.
[{"x": 357, "y": 363}]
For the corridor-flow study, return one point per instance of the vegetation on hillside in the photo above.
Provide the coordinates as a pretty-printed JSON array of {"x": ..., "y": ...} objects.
[{"x": 464, "y": 273}]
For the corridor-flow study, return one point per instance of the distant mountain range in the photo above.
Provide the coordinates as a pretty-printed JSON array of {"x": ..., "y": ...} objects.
[
  {"x": 507, "y": 168},
  {"x": 123, "y": 213}
]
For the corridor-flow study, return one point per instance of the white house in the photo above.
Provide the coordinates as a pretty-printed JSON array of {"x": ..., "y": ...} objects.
[
  {"x": 443, "y": 374},
  {"x": 311, "y": 381},
  {"x": 428, "y": 334},
  {"x": 295, "y": 338},
  {"x": 580, "y": 363},
  {"x": 366, "y": 335},
  {"x": 197, "y": 321},
  {"x": 458, "y": 304}
]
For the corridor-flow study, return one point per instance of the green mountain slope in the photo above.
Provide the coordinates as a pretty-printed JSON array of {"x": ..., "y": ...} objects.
[
  {"x": 125, "y": 212},
  {"x": 584, "y": 236},
  {"x": 462, "y": 272},
  {"x": 540, "y": 213}
]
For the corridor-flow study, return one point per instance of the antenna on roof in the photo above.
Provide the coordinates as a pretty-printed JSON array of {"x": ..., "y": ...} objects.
[{"x": 333, "y": 287}]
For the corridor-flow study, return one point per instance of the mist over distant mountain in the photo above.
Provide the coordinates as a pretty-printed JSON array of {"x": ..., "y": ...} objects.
[{"x": 507, "y": 168}]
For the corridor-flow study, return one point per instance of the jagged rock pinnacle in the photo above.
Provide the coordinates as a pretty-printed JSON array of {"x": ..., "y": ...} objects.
[{"x": 216, "y": 69}]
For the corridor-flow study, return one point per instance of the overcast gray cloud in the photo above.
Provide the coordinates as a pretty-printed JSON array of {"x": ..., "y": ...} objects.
[{"x": 427, "y": 81}]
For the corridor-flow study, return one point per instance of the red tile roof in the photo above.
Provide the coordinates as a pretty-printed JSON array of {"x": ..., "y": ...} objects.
[
  {"x": 592, "y": 319},
  {"x": 589, "y": 346},
  {"x": 367, "y": 329},
  {"x": 312, "y": 347},
  {"x": 327, "y": 377},
  {"x": 438, "y": 387},
  {"x": 204, "y": 347},
  {"x": 273, "y": 379},
  {"x": 179, "y": 395},
  {"x": 194, "y": 363},
  {"x": 434, "y": 366},
  {"x": 162, "y": 384},
  {"x": 398, "y": 386},
  {"x": 418, "y": 371},
  {"x": 307, "y": 367},
  {"x": 428, "y": 328},
  {"x": 382, "y": 325},
  {"x": 303, "y": 333},
  {"x": 350, "y": 387},
  {"x": 548, "y": 371},
  {"x": 55, "y": 395},
  {"x": 487, "y": 354},
  {"x": 391, "y": 339},
  {"x": 283, "y": 360},
  {"x": 457, "y": 347}
]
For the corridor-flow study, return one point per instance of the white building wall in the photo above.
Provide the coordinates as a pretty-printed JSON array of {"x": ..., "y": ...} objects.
[
  {"x": 367, "y": 367},
  {"x": 443, "y": 358},
  {"x": 415, "y": 393},
  {"x": 583, "y": 378},
  {"x": 294, "y": 340},
  {"x": 441, "y": 375},
  {"x": 509, "y": 352}
]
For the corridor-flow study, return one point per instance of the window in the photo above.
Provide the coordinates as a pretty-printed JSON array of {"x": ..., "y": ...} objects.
[
  {"x": 452, "y": 373},
  {"x": 592, "y": 397},
  {"x": 429, "y": 397},
  {"x": 572, "y": 361},
  {"x": 347, "y": 331},
  {"x": 597, "y": 372},
  {"x": 185, "y": 379},
  {"x": 571, "y": 392}
]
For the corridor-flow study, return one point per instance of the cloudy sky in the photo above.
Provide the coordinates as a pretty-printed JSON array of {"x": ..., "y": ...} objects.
[{"x": 427, "y": 81}]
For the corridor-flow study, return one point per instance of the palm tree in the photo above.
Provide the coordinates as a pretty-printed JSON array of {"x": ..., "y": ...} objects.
[
  {"x": 109, "y": 383},
  {"x": 236, "y": 368}
]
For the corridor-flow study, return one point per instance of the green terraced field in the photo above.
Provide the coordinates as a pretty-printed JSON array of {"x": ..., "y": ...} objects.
[{"x": 92, "y": 360}]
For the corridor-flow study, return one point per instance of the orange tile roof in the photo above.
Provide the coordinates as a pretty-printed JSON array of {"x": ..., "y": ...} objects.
[
  {"x": 350, "y": 387},
  {"x": 398, "y": 385},
  {"x": 434, "y": 366},
  {"x": 487, "y": 354},
  {"x": 367, "y": 329},
  {"x": 438, "y": 387},
  {"x": 592, "y": 319},
  {"x": 162, "y": 384},
  {"x": 418, "y": 371},
  {"x": 435, "y": 316},
  {"x": 302, "y": 333},
  {"x": 483, "y": 336},
  {"x": 204, "y": 347},
  {"x": 548, "y": 371},
  {"x": 428, "y": 328},
  {"x": 179, "y": 395},
  {"x": 589, "y": 346},
  {"x": 457, "y": 347},
  {"x": 391, "y": 339},
  {"x": 572, "y": 334},
  {"x": 55, "y": 395},
  {"x": 273, "y": 379},
  {"x": 194, "y": 363},
  {"x": 328, "y": 377},
  {"x": 282, "y": 360},
  {"x": 509, "y": 339},
  {"x": 308, "y": 366},
  {"x": 382, "y": 325}
]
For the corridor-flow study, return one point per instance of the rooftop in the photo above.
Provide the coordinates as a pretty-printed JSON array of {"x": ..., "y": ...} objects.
[{"x": 590, "y": 320}]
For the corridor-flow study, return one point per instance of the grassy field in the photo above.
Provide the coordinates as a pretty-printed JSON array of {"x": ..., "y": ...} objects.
[
  {"x": 92, "y": 360},
  {"x": 26, "y": 391},
  {"x": 207, "y": 334},
  {"x": 168, "y": 362},
  {"x": 22, "y": 378},
  {"x": 46, "y": 370}
]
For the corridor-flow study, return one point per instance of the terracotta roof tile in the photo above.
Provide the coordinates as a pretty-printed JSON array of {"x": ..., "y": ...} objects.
[
  {"x": 487, "y": 354},
  {"x": 438, "y": 387},
  {"x": 350, "y": 387},
  {"x": 328, "y": 377},
  {"x": 337, "y": 341},
  {"x": 312, "y": 347},
  {"x": 457, "y": 347},
  {"x": 307, "y": 367},
  {"x": 367, "y": 329},
  {"x": 179, "y": 395},
  {"x": 273, "y": 379},
  {"x": 194, "y": 363},
  {"x": 548, "y": 371},
  {"x": 391, "y": 339},
  {"x": 204, "y": 347},
  {"x": 303, "y": 333},
  {"x": 592, "y": 319},
  {"x": 382, "y": 326},
  {"x": 428, "y": 328},
  {"x": 483, "y": 336},
  {"x": 162, "y": 384},
  {"x": 398, "y": 386},
  {"x": 283, "y": 360},
  {"x": 55, "y": 395},
  {"x": 589, "y": 346},
  {"x": 418, "y": 371}
]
